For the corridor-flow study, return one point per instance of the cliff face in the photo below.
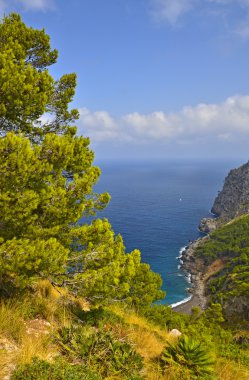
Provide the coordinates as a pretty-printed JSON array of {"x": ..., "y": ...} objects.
[
  {"x": 233, "y": 200},
  {"x": 220, "y": 261}
]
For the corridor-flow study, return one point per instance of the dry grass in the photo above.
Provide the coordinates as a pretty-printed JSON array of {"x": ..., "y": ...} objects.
[
  {"x": 30, "y": 346},
  {"x": 131, "y": 318},
  {"x": 6, "y": 364},
  {"x": 11, "y": 322},
  {"x": 147, "y": 343},
  {"x": 226, "y": 370},
  {"x": 18, "y": 342},
  {"x": 39, "y": 346},
  {"x": 148, "y": 340},
  {"x": 32, "y": 337},
  {"x": 44, "y": 289}
]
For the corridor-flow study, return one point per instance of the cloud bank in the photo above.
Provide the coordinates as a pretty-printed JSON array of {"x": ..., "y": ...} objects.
[{"x": 226, "y": 121}]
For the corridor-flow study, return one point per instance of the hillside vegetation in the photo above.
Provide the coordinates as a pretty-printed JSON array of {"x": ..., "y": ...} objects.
[
  {"x": 230, "y": 284},
  {"x": 53, "y": 335}
]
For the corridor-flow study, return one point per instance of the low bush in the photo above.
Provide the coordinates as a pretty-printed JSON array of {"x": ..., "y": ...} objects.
[
  {"x": 100, "y": 350},
  {"x": 59, "y": 370}
]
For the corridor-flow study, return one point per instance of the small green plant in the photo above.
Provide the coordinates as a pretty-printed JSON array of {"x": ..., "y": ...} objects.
[
  {"x": 100, "y": 350},
  {"x": 234, "y": 352},
  {"x": 59, "y": 370},
  {"x": 97, "y": 317},
  {"x": 189, "y": 354}
]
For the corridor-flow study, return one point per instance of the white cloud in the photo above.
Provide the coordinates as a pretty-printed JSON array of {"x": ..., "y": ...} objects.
[
  {"x": 33, "y": 5},
  {"x": 99, "y": 125},
  {"x": 224, "y": 121},
  {"x": 170, "y": 10},
  {"x": 97, "y": 118},
  {"x": 40, "y": 5}
]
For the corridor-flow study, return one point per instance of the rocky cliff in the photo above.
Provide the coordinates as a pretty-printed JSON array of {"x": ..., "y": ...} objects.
[
  {"x": 219, "y": 262},
  {"x": 232, "y": 201}
]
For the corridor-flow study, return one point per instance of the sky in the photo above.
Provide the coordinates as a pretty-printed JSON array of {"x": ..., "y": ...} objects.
[{"x": 156, "y": 78}]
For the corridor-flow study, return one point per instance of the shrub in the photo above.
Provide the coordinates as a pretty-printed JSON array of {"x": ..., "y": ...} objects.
[
  {"x": 100, "y": 350},
  {"x": 97, "y": 317},
  {"x": 60, "y": 370},
  {"x": 164, "y": 316},
  {"x": 234, "y": 352}
]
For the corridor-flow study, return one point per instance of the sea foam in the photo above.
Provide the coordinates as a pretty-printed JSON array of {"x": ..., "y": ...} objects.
[{"x": 181, "y": 302}]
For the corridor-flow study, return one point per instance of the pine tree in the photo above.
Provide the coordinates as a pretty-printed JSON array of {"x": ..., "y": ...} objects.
[
  {"x": 28, "y": 91},
  {"x": 47, "y": 185}
]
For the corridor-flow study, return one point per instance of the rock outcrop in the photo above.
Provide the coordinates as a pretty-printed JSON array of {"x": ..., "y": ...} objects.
[
  {"x": 236, "y": 308},
  {"x": 208, "y": 225},
  {"x": 233, "y": 200}
]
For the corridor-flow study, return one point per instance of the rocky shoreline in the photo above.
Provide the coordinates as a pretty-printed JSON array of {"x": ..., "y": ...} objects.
[
  {"x": 231, "y": 202},
  {"x": 195, "y": 267}
]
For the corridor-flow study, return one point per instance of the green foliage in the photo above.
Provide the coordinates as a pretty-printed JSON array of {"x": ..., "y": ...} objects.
[
  {"x": 38, "y": 206},
  {"x": 234, "y": 352},
  {"x": 40, "y": 236},
  {"x": 109, "y": 272},
  {"x": 164, "y": 316},
  {"x": 36, "y": 199},
  {"x": 98, "y": 317},
  {"x": 23, "y": 260},
  {"x": 59, "y": 370},
  {"x": 195, "y": 313},
  {"x": 230, "y": 243},
  {"x": 213, "y": 314},
  {"x": 189, "y": 353},
  {"x": 145, "y": 287},
  {"x": 27, "y": 89},
  {"x": 47, "y": 185},
  {"x": 100, "y": 350}
]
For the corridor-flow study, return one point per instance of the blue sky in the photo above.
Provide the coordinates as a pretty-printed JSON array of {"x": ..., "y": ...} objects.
[{"x": 156, "y": 78}]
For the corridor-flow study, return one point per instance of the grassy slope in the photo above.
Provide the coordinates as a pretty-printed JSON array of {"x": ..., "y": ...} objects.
[{"x": 29, "y": 325}]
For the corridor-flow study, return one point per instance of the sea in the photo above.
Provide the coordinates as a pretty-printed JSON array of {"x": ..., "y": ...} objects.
[{"x": 157, "y": 206}]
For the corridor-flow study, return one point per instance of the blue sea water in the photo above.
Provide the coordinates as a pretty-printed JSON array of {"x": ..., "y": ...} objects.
[{"x": 157, "y": 208}]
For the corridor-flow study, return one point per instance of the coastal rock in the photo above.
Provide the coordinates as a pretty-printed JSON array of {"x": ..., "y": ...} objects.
[
  {"x": 233, "y": 200},
  {"x": 192, "y": 264},
  {"x": 208, "y": 225}
]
